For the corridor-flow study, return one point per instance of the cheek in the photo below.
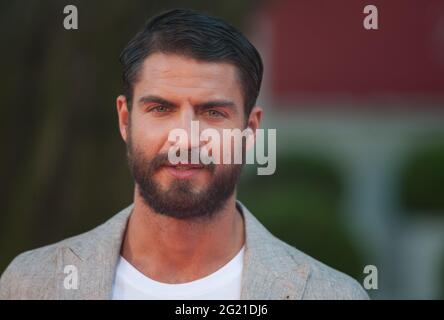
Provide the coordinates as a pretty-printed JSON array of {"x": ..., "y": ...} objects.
[
  {"x": 227, "y": 147},
  {"x": 146, "y": 139},
  {"x": 232, "y": 150},
  {"x": 222, "y": 146}
]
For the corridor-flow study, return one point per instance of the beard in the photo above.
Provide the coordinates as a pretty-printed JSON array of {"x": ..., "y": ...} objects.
[{"x": 180, "y": 199}]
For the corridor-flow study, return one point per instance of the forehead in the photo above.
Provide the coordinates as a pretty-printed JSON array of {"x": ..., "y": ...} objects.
[{"x": 183, "y": 77}]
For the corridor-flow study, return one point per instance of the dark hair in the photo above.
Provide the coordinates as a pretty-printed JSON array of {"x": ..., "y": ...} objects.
[{"x": 199, "y": 36}]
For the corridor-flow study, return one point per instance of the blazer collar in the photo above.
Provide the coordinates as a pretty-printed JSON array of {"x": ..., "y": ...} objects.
[
  {"x": 269, "y": 271},
  {"x": 96, "y": 254}
]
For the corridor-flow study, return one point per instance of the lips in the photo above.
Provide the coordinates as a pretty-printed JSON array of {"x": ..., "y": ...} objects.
[
  {"x": 184, "y": 171},
  {"x": 185, "y": 166}
]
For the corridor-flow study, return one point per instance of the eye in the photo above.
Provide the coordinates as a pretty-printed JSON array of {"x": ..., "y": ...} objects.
[
  {"x": 159, "y": 109},
  {"x": 215, "y": 114}
]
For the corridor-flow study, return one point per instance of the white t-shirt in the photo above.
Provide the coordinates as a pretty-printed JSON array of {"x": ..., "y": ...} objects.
[{"x": 223, "y": 284}]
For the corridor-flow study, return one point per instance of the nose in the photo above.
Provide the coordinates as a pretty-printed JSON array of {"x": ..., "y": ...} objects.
[{"x": 188, "y": 122}]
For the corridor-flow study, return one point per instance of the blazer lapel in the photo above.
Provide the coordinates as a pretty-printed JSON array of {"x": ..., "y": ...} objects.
[
  {"x": 269, "y": 271},
  {"x": 95, "y": 258}
]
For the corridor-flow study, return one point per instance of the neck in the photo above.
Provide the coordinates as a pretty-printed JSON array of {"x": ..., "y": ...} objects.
[{"x": 173, "y": 250}]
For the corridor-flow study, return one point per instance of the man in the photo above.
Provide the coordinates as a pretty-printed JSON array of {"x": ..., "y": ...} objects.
[{"x": 185, "y": 236}]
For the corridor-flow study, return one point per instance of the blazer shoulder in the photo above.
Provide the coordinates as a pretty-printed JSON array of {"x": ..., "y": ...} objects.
[
  {"x": 325, "y": 282},
  {"x": 33, "y": 270},
  {"x": 26, "y": 271},
  {"x": 31, "y": 274}
]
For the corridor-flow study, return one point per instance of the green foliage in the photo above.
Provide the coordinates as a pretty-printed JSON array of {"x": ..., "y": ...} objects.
[
  {"x": 301, "y": 204},
  {"x": 422, "y": 180}
]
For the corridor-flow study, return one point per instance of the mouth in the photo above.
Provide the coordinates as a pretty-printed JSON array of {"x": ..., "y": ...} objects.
[{"x": 184, "y": 171}]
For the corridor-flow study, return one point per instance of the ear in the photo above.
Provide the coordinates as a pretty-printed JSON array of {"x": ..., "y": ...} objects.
[
  {"x": 253, "y": 123},
  {"x": 123, "y": 114}
]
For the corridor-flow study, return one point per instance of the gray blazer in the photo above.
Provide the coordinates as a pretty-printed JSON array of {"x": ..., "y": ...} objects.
[{"x": 272, "y": 268}]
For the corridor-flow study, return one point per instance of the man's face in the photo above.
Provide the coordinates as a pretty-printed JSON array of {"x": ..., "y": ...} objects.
[{"x": 171, "y": 92}]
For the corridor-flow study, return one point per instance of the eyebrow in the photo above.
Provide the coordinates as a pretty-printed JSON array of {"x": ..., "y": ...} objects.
[
  {"x": 217, "y": 103},
  {"x": 204, "y": 105},
  {"x": 155, "y": 99}
]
